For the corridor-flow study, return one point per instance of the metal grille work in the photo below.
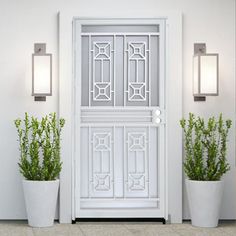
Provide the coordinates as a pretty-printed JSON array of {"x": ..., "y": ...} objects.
[
  {"x": 118, "y": 65},
  {"x": 122, "y": 119}
]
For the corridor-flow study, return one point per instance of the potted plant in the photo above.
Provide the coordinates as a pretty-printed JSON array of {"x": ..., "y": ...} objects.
[
  {"x": 205, "y": 163},
  {"x": 40, "y": 165}
]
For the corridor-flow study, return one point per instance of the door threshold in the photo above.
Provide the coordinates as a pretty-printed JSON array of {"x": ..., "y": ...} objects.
[{"x": 162, "y": 220}]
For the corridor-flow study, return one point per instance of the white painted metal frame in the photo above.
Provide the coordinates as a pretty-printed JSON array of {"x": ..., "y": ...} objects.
[
  {"x": 103, "y": 88},
  {"x": 137, "y": 55},
  {"x": 138, "y": 51},
  {"x": 102, "y": 51},
  {"x": 174, "y": 113}
]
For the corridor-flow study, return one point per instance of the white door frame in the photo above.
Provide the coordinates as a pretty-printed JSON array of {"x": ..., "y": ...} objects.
[
  {"x": 155, "y": 212},
  {"x": 174, "y": 114}
]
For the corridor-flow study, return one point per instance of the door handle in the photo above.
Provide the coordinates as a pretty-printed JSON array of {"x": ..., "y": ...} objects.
[{"x": 156, "y": 118}]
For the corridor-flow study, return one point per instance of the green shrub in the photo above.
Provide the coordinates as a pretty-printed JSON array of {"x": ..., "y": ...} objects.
[
  {"x": 39, "y": 142},
  {"x": 205, "y": 147}
]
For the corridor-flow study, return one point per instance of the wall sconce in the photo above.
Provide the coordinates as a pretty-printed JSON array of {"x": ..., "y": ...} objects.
[
  {"x": 205, "y": 73},
  {"x": 41, "y": 72}
]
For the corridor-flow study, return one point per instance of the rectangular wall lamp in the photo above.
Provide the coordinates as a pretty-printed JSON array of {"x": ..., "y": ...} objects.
[
  {"x": 41, "y": 72},
  {"x": 205, "y": 73}
]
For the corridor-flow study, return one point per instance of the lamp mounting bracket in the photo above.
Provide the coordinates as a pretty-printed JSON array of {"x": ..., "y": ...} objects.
[
  {"x": 40, "y": 48},
  {"x": 199, "y": 48},
  {"x": 199, "y": 99},
  {"x": 40, "y": 98}
]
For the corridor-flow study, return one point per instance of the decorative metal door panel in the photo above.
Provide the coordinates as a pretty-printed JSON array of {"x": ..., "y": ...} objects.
[{"x": 119, "y": 66}]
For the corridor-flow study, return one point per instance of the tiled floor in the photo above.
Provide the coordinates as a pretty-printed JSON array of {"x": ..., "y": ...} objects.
[{"x": 116, "y": 229}]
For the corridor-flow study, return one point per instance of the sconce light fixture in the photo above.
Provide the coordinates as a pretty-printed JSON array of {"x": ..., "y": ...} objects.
[
  {"x": 41, "y": 72},
  {"x": 205, "y": 73}
]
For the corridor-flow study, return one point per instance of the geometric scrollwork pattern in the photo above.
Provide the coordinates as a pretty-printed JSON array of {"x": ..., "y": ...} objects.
[
  {"x": 136, "y": 141},
  {"x": 136, "y": 182},
  {"x": 101, "y": 86},
  {"x": 102, "y": 91},
  {"x": 137, "y": 91},
  {"x": 102, "y": 141},
  {"x": 102, "y": 182},
  {"x": 102, "y": 50},
  {"x": 136, "y": 50}
]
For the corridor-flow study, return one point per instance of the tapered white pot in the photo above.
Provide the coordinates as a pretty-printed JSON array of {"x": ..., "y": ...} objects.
[
  {"x": 204, "y": 199},
  {"x": 40, "y": 200}
]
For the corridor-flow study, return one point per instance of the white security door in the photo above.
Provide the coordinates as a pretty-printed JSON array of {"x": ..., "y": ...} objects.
[{"x": 120, "y": 163}]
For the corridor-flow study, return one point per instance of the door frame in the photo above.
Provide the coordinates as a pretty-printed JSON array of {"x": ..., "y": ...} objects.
[
  {"x": 162, "y": 210},
  {"x": 67, "y": 110}
]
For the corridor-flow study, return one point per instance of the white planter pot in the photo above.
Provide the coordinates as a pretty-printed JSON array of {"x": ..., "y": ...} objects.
[
  {"x": 40, "y": 200},
  {"x": 204, "y": 199}
]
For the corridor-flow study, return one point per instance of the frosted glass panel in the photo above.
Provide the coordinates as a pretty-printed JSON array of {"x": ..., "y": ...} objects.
[
  {"x": 120, "y": 28},
  {"x": 209, "y": 74},
  {"x": 42, "y": 74},
  {"x": 195, "y": 74}
]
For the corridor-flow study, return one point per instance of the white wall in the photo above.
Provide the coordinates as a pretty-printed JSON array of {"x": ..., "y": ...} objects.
[{"x": 22, "y": 23}]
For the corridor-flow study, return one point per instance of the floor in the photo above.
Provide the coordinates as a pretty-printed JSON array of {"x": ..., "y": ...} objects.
[{"x": 116, "y": 229}]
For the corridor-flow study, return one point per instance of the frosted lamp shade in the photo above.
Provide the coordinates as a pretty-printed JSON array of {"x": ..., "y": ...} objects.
[
  {"x": 42, "y": 75},
  {"x": 205, "y": 75},
  {"x": 195, "y": 75}
]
